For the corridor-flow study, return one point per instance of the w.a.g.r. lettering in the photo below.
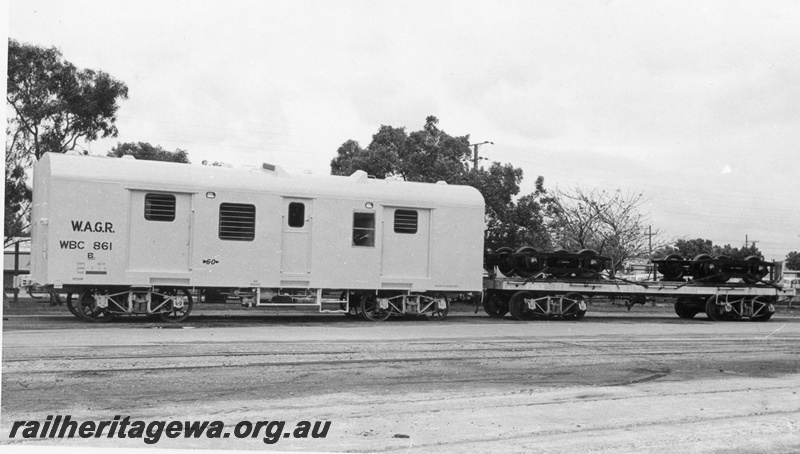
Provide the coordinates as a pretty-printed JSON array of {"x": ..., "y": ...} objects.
[{"x": 94, "y": 227}]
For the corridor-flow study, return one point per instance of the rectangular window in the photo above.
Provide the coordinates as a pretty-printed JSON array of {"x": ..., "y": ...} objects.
[
  {"x": 159, "y": 207},
  {"x": 405, "y": 221},
  {"x": 297, "y": 214},
  {"x": 364, "y": 229},
  {"x": 237, "y": 222}
]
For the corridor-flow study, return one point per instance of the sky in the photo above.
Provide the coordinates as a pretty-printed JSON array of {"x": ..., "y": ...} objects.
[{"x": 694, "y": 104}]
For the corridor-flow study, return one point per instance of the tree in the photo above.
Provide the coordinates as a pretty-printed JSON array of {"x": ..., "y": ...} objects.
[
  {"x": 793, "y": 260},
  {"x": 529, "y": 213},
  {"x": 428, "y": 155},
  {"x": 147, "y": 152},
  {"x": 56, "y": 105},
  {"x": 431, "y": 155},
  {"x": 737, "y": 253},
  {"x": 609, "y": 223},
  {"x": 379, "y": 162},
  {"x": 508, "y": 222},
  {"x": 17, "y": 201},
  {"x": 687, "y": 249}
]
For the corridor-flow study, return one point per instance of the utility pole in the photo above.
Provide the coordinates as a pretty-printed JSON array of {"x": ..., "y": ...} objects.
[
  {"x": 475, "y": 157},
  {"x": 651, "y": 267},
  {"x": 650, "y": 236},
  {"x": 747, "y": 242}
]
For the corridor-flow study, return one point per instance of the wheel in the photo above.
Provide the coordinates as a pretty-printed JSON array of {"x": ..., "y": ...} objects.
[
  {"x": 71, "y": 306},
  {"x": 671, "y": 271},
  {"x": 577, "y": 310},
  {"x": 525, "y": 262},
  {"x": 437, "y": 313},
  {"x": 761, "y": 309},
  {"x": 557, "y": 272},
  {"x": 684, "y": 309},
  {"x": 505, "y": 261},
  {"x": 495, "y": 305},
  {"x": 591, "y": 265},
  {"x": 87, "y": 306},
  {"x": 714, "y": 311},
  {"x": 174, "y": 304},
  {"x": 703, "y": 267},
  {"x": 518, "y": 308},
  {"x": 755, "y": 270},
  {"x": 371, "y": 310}
]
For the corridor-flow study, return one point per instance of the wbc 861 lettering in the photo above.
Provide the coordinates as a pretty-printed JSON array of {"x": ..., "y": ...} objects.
[{"x": 96, "y": 245}]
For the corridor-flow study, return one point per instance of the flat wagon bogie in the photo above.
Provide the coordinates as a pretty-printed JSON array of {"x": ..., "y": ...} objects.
[{"x": 108, "y": 225}]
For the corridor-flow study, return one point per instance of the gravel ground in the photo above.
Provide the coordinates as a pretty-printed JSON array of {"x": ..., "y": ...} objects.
[{"x": 644, "y": 381}]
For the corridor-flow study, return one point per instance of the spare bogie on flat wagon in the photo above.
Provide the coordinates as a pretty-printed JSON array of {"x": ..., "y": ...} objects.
[
  {"x": 529, "y": 285},
  {"x": 720, "y": 269},
  {"x": 124, "y": 237},
  {"x": 526, "y": 262}
]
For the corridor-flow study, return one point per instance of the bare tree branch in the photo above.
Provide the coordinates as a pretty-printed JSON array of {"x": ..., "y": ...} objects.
[{"x": 609, "y": 223}]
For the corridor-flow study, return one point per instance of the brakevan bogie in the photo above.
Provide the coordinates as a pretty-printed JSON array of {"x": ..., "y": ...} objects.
[{"x": 125, "y": 237}]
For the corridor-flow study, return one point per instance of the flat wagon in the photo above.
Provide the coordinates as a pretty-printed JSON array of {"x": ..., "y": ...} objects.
[
  {"x": 532, "y": 299},
  {"x": 530, "y": 284}
]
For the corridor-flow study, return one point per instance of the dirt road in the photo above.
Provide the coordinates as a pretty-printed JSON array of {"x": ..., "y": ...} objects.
[{"x": 609, "y": 383}]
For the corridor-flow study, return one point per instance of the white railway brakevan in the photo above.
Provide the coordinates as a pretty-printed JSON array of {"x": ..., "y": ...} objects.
[{"x": 127, "y": 236}]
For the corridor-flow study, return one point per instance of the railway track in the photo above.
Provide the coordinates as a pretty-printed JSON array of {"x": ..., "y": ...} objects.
[
  {"x": 505, "y": 354},
  {"x": 555, "y": 387},
  {"x": 131, "y": 358}
]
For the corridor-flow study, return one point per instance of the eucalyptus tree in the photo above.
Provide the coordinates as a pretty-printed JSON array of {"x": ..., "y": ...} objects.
[
  {"x": 431, "y": 155},
  {"x": 55, "y": 108}
]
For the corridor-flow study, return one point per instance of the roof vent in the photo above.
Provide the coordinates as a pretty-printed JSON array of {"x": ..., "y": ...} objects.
[
  {"x": 359, "y": 176},
  {"x": 274, "y": 170}
]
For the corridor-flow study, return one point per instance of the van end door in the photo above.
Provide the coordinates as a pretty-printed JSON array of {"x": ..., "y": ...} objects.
[
  {"x": 406, "y": 243},
  {"x": 296, "y": 237},
  {"x": 160, "y": 231}
]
